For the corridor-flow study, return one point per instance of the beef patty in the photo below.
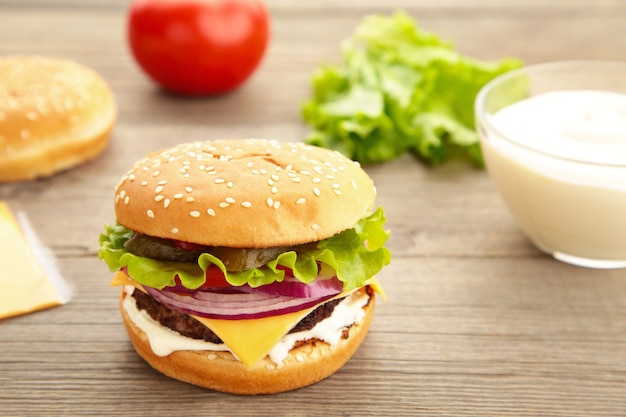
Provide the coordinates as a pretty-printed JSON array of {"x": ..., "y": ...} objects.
[{"x": 192, "y": 328}]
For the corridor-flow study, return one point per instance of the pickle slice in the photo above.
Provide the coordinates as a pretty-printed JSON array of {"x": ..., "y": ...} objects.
[
  {"x": 234, "y": 259},
  {"x": 159, "y": 249},
  {"x": 242, "y": 259}
]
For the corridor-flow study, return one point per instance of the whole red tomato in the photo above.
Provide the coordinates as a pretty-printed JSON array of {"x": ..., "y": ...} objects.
[{"x": 198, "y": 47}]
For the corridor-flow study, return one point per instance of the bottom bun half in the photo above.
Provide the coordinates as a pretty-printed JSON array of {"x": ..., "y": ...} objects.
[{"x": 306, "y": 364}]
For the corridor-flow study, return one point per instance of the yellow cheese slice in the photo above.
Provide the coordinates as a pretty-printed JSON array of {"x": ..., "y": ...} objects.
[
  {"x": 250, "y": 339},
  {"x": 121, "y": 278},
  {"x": 24, "y": 285}
]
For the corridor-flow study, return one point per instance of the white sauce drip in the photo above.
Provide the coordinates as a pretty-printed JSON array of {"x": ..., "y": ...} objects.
[{"x": 164, "y": 341}]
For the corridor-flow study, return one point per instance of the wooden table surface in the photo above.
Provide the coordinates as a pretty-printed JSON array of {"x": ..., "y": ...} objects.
[{"x": 478, "y": 322}]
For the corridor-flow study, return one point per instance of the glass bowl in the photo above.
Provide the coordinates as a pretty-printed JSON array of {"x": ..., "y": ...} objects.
[{"x": 554, "y": 140}]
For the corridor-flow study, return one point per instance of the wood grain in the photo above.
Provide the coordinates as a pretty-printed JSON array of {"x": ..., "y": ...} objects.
[{"x": 478, "y": 322}]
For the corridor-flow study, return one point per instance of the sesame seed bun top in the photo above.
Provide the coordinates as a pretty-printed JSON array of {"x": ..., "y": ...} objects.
[
  {"x": 249, "y": 193},
  {"x": 54, "y": 114}
]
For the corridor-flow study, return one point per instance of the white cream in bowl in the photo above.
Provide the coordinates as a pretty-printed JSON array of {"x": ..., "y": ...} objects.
[{"x": 558, "y": 159}]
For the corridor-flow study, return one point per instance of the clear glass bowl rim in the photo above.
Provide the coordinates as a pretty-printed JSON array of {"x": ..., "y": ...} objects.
[{"x": 483, "y": 118}]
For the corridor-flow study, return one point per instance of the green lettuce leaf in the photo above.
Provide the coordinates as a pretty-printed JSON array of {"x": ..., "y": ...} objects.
[
  {"x": 398, "y": 89},
  {"x": 355, "y": 255}
]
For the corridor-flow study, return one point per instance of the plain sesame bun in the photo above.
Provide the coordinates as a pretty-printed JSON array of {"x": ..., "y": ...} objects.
[
  {"x": 306, "y": 364},
  {"x": 250, "y": 193},
  {"x": 54, "y": 115}
]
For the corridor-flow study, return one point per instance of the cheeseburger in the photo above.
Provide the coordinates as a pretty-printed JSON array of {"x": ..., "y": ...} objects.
[{"x": 246, "y": 266}]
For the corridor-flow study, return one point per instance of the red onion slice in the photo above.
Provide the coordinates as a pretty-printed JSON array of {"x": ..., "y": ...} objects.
[
  {"x": 233, "y": 306},
  {"x": 292, "y": 287}
]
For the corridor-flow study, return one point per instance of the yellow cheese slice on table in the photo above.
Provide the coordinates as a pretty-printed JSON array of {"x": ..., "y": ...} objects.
[{"x": 24, "y": 284}]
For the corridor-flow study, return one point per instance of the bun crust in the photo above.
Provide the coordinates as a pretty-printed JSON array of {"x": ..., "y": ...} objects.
[
  {"x": 220, "y": 371},
  {"x": 54, "y": 115},
  {"x": 249, "y": 193}
]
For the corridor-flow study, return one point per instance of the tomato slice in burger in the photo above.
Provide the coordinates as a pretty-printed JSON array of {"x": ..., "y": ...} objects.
[{"x": 214, "y": 278}]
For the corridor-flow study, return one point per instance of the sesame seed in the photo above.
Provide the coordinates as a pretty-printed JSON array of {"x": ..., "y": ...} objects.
[
  {"x": 190, "y": 199},
  {"x": 211, "y": 212},
  {"x": 275, "y": 177},
  {"x": 229, "y": 200},
  {"x": 276, "y": 205},
  {"x": 158, "y": 189},
  {"x": 132, "y": 177},
  {"x": 336, "y": 185},
  {"x": 194, "y": 213},
  {"x": 263, "y": 171},
  {"x": 338, "y": 192},
  {"x": 255, "y": 171},
  {"x": 219, "y": 180},
  {"x": 177, "y": 196},
  {"x": 301, "y": 200},
  {"x": 249, "y": 165},
  {"x": 274, "y": 190},
  {"x": 224, "y": 204},
  {"x": 126, "y": 199},
  {"x": 329, "y": 177},
  {"x": 354, "y": 184},
  {"x": 246, "y": 204},
  {"x": 123, "y": 193},
  {"x": 188, "y": 189},
  {"x": 156, "y": 173},
  {"x": 270, "y": 182},
  {"x": 315, "y": 226},
  {"x": 270, "y": 202},
  {"x": 289, "y": 167},
  {"x": 229, "y": 184},
  {"x": 305, "y": 172},
  {"x": 162, "y": 182},
  {"x": 144, "y": 183},
  {"x": 158, "y": 198},
  {"x": 150, "y": 214},
  {"x": 317, "y": 180},
  {"x": 212, "y": 172},
  {"x": 25, "y": 134},
  {"x": 166, "y": 203},
  {"x": 296, "y": 179},
  {"x": 31, "y": 115},
  {"x": 316, "y": 191},
  {"x": 175, "y": 230}
]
